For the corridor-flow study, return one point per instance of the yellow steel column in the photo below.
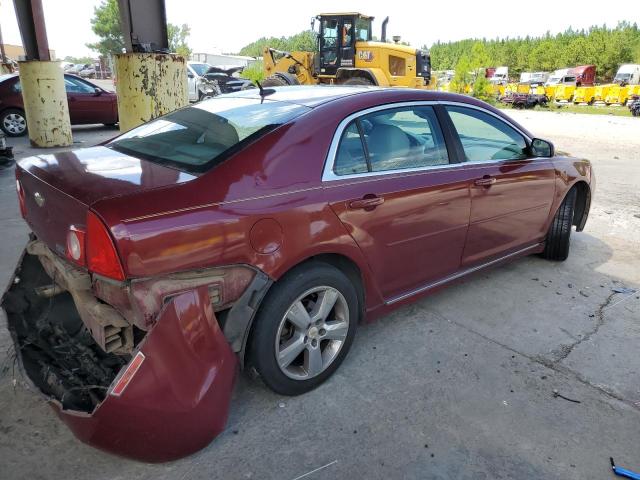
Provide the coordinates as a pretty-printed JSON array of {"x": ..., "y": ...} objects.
[
  {"x": 45, "y": 104},
  {"x": 149, "y": 85}
]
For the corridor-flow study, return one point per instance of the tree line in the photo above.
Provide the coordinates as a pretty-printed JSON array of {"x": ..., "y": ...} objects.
[{"x": 604, "y": 47}]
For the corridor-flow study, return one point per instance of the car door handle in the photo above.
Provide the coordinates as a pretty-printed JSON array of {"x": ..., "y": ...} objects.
[
  {"x": 485, "y": 181},
  {"x": 366, "y": 203}
]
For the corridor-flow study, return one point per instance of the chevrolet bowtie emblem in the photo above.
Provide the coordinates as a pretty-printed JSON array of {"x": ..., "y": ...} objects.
[{"x": 39, "y": 199}]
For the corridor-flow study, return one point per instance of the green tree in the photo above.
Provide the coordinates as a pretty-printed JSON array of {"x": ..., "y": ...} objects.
[
  {"x": 106, "y": 25},
  {"x": 178, "y": 39},
  {"x": 302, "y": 42}
]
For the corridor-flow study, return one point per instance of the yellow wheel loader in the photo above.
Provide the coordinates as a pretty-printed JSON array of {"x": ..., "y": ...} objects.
[{"x": 346, "y": 55}]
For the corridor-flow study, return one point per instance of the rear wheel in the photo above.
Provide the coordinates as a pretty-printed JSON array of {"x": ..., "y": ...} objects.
[
  {"x": 357, "y": 81},
  {"x": 559, "y": 234},
  {"x": 13, "y": 122},
  {"x": 304, "y": 329}
]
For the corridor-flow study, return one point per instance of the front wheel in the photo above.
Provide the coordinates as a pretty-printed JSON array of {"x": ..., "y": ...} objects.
[
  {"x": 559, "y": 234},
  {"x": 304, "y": 329}
]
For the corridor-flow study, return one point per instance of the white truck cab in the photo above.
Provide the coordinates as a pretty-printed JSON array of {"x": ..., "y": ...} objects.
[
  {"x": 500, "y": 76},
  {"x": 628, "y": 74},
  {"x": 195, "y": 71},
  {"x": 558, "y": 77}
]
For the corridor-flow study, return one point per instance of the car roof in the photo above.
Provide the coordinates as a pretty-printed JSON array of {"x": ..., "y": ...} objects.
[
  {"x": 7, "y": 76},
  {"x": 306, "y": 95}
]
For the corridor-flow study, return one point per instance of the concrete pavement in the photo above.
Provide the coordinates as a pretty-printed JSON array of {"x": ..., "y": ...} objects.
[{"x": 459, "y": 385}]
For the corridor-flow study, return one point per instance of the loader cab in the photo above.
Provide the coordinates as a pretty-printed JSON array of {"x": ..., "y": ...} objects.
[{"x": 337, "y": 40}]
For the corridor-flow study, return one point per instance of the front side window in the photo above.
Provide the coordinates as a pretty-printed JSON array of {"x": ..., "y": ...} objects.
[
  {"x": 330, "y": 33},
  {"x": 485, "y": 137},
  {"x": 196, "y": 138},
  {"x": 73, "y": 85},
  {"x": 393, "y": 139},
  {"x": 363, "y": 30}
]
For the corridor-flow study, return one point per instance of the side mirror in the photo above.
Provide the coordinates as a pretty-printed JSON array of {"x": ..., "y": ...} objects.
[
  {"x": 189, "y": 75},
  {"x": 97, "y": 91},
  {"x": 542, "y": 148}
]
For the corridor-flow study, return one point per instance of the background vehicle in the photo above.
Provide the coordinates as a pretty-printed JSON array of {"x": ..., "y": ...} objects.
[
  {"x": 227, "y": 79},
  {"x": 197, "y": 86},
  {"x": 500, "y": 76},
  {"x": 88, "y": 72},
  {"x": 88, "y": 103},
  {"x": 162, "y": 269},
  {"x": 634, "y": 105},
  {"x": 628, "y": 74},
  {"x": 347, "y": 55},
  {"x": 585, "y": 75},
  {"x": 556, "y": 77}
]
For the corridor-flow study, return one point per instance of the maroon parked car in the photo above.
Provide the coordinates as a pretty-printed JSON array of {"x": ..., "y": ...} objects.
[
  {"x": 88, "y": 103},
  {"x": 259, "y": 230}
]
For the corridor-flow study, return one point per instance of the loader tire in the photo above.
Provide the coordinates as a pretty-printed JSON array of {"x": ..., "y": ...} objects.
[
  {"x": 280, "y": 80},
  {"x": 559, "y": 234},
  {"x": 357, "y": 81}
]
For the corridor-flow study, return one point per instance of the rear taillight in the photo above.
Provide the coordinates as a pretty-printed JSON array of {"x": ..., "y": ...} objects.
[
  {"x": 101, "y": 255},
  {"x": 23, "y": 208},
  {"x": 76, "y": 246}
]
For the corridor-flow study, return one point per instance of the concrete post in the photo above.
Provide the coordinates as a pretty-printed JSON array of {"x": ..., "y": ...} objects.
[
  {"x": 148, "y": 86},
  {"x": 45, "y": 104}
]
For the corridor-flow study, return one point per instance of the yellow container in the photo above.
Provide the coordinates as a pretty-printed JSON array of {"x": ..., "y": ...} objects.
[
  {"x": 523, "y": 88},
  {"x": 617, "y": 94},
  {"x": 601, "y": 92},
  {"x": 538, "y": 90},
  {"x": 550, "y": 90},
  {"x": 584, "y": 94},
  {"x": 564, "y": 93},
  {"x": 633, "y": 90},
  {"x": 511, "y": 87}
]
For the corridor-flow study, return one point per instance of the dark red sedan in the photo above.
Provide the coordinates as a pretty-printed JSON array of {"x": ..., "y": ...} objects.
[
  {"x": 259, "y": 229},
  {"x": 88, "y": 104}
]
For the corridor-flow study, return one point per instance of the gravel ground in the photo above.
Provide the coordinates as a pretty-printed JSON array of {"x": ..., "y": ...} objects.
[{"x": 459, "y": 385}]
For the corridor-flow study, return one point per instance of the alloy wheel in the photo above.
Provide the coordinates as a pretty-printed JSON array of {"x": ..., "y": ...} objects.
[
  {"x": 312, "y": 333},
  {"x": 14, "y": 123}
]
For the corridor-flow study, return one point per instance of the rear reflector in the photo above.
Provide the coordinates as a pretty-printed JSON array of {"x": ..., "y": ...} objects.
[
  {"x": 128, "y": 375},
  {"x": 102, "y": 257}
]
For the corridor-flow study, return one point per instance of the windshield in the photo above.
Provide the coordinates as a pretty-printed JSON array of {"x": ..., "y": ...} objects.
[
  {"x": 196, "y": 138},
  {"x": 200, "y": 68},
  {"x": 622, "y": 76}
]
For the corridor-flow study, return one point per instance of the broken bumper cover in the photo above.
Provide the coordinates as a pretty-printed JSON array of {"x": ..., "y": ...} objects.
[{"x": 178, "y": 400}]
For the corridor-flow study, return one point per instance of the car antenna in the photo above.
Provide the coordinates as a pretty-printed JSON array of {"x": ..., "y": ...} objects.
[{"x": 264, "y": 91}]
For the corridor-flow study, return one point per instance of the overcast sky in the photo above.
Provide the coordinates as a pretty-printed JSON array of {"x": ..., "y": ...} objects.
[{"x": 229, "y": 25}]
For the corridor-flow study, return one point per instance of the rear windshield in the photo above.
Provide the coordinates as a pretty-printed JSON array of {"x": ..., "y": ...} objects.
[{"x": 196, "y": 138}]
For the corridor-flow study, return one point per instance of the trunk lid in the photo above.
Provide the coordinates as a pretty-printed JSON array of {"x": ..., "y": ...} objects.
[{"x": 60, "y": 188}]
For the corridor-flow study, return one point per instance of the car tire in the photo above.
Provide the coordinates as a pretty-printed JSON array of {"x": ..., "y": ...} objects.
[
  {"x": 559, "y": 235},
  {"x": 294, "y": 358},
  {"x": 13, "y": 122},
  {"x": 358, "y": 81}
]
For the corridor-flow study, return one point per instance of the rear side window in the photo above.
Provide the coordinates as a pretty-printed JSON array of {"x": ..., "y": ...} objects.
[
  {"x": 393, "y": 139},
  {"x": 485, "y": 137},
  {"x": 196, "y": 138}
]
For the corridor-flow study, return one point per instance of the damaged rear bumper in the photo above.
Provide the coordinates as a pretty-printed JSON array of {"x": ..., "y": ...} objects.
[
  {"x": 178, "y": 400},
  {"x": 174, "y": 404}
]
